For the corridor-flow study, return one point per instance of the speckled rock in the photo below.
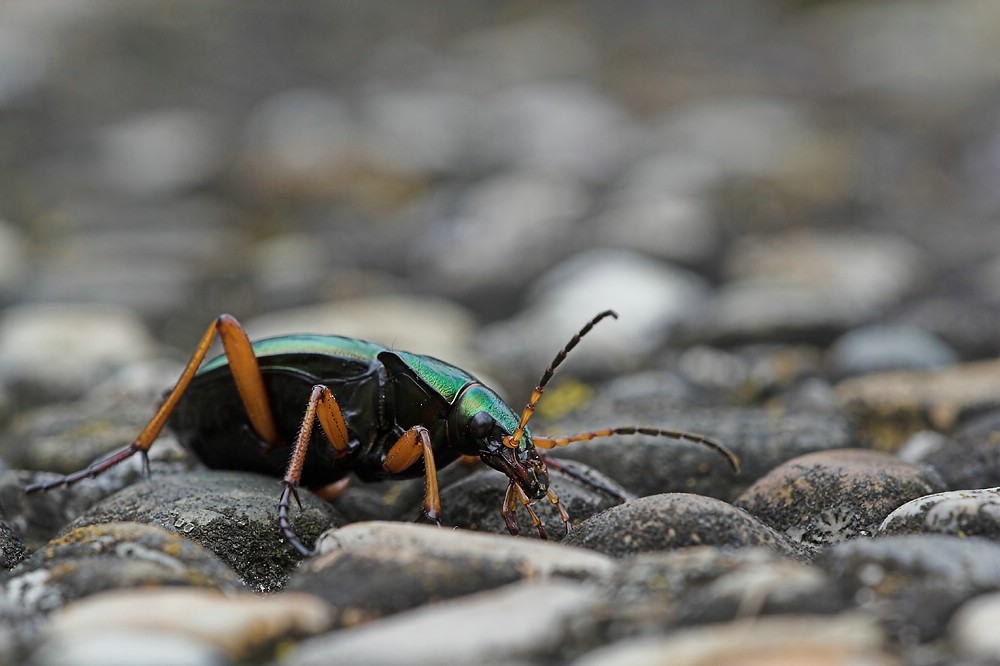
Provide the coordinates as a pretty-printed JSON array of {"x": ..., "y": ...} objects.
[
  {"x": 231, "y": 513},
  {"x": 913, "y": 583},
  {"x": 893, "y": 405},
  {"x": 238, "y": 625},
  {"x": 12, "y": 548},
  {"x": 369, "y": 570},
  {"x": 959, "y": 512},
  {"x": 423, "y": 635},
  {"x": 96, "y": 558},
  {"x": 675, "y": 520},
  {"x": 844, "y": 640},
  {"x": 475, "y": 502},
  {"x": 830, "y": 496}
]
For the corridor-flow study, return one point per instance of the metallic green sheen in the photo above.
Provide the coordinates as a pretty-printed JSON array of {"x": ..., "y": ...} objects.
[
  {"x": 324, "y": 345},
  {"x": 483, "y": 399},
  {"x": 447, "y": 380}
]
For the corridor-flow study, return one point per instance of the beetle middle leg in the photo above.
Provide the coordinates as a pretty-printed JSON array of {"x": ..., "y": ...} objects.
[
  {"x": 414, "y": 443},
  {"x": 249, "y": 385}
]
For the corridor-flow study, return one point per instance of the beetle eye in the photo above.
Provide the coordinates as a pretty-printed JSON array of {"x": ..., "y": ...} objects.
[{"x": 481, "y": 424}]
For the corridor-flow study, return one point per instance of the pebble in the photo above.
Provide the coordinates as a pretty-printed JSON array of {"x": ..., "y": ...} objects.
[
  {"x": 844, "y": 640},
  {"x": 651, "y": 297},
  {"x": 675, "y": 520},
  {"x": 968, "y": 457},
  {"x": 880, "y": 348},
  {"x": 518, "y": 621},
  {"x": 87, "y": 560},
  {"x": 12, "y": 548},
  {"x": 14, "y": 258},
  {"x": 830, "y": 496},
  {"x": 972, "y": 629},
  {"x": 913, "y": 583},
  {"x": 121, "y": 647},
  {"x": 964, "y": 513},
  {"x": 92, "y": 341},
  {"x": 891, "y": 406},
  {"x": 370, "y": 570},
  {"x": 239, "y": 626},
  {"x": 232, "y": 514}
]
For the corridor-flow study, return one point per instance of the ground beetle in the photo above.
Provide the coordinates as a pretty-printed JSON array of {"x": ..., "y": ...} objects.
[{"x": 380, "y": 412}]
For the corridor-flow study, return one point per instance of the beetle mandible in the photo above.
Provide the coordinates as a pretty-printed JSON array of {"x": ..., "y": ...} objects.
[{"x": 380, "y": 411}]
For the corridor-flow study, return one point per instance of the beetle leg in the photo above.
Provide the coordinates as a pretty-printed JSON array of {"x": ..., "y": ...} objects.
[
  {"x": 414, "y": 443},
  {"x": 249, "y": 383},
  {"x": 552, "y": 442},
  {"x": 535, "y": 520},
  {"x": 509, "y": 510}
]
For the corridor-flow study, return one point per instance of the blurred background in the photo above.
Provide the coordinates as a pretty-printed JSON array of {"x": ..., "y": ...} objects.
[{"x": 476, "y": 179}]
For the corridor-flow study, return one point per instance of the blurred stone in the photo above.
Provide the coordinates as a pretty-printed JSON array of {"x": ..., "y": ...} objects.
[
  {"x": 972, "y": 629},
  {"x": 891, "y": 406},
  {"x": 650, "y": 298},
  {"x": 159, "y": 153},
  {"x": 237, "y": 625},
  {"x": 832, "y": 496},
  {"x": 124, "y": 647},
  {"x": 13, "y": 256},
  {"x": 969, "y": 457},
  {"x": 880, "y": 348},
  {"x": 58, "y": 351}
]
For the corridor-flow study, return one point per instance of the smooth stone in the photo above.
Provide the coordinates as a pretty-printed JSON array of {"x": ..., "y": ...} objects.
[
  {"x": 913, "y": 583},
  {"x": 159, "y": 153},
  {"x": 369, "y": 570},
  {"x": 890, "y": 406},
  {"x": 531, "y": 614},
  {"x": 650, "y": 297},
  {"x": 92, "y": 341},
  {"x": 233, "y": 514},
  {"x": 675, "y": 520},
  {"x": 831, "y": 496},
  {"x": 844, "y": 640},
  {"x": 973, "y": 628},
  {"x": 97, "y": 558},
  {"x": 882, "y": 348},
  {"x": 474, "y": 502},
  {"x": 238, "y": 625},
  {"x": 969, "y": 456},
  {"x": 126, "y": 647},
  {"x": 964, "y": 513}
]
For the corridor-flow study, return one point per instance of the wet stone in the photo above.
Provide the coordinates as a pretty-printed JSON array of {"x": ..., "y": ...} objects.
[
  {"x": 831, "y": 496},
  {"x": 891, "y": 406},
  {"x": 675, "y": 520},
  {"x": 913, "y": 583},
  {"x": 96, "y": 558},
  {"x": 234, "y": 626},
  {"x": 233, "y": 514},
  {"x": 475, "y": 502},
  {"x": 370, "y": 570},
  {"x": 520, "y": 621},
  {"x": 959, "y": 512}
]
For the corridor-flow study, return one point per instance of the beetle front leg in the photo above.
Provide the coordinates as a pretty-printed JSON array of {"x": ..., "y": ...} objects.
[{"x": 414, "y": 443}]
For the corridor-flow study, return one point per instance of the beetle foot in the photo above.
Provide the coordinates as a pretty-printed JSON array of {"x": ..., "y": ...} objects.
[{"x": 284, "y": 523}]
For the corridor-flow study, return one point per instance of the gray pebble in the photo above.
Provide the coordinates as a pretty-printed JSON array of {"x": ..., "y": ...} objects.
[
  {"x": 369, "y": 570},
  {"x": 913, "y": 583},
  {"x": 879, "y": 348},
  {"x": 969, "y": 457},
  {"x": 530, "y": 615},
  {"x": 232, "y": 514},
  {"x": 675, "y": 520},
  {"x": 96, "y": 558},
  {"x": 831, "y": 496},
  {"x": 121, "y": 647}
]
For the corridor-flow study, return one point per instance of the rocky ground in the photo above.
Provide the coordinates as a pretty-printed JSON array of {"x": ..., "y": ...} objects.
[{"x": 792, "y": 206}]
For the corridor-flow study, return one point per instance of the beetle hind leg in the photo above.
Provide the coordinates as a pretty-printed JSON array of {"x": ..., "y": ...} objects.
[{"x": 408, "y": 449}]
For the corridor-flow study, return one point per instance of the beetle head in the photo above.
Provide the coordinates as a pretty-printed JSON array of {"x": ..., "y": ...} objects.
[{"x": 485, "y": 424}]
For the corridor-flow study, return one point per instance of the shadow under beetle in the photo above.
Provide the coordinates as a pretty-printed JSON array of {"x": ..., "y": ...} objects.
[{"x": 381, "y": 411}]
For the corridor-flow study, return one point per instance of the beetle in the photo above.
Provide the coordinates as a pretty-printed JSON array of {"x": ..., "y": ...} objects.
[{"x": 381, "y": 411}]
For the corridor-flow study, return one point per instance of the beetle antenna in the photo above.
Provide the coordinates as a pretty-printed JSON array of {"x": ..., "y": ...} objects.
[{"x": 514, "y": 440}]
